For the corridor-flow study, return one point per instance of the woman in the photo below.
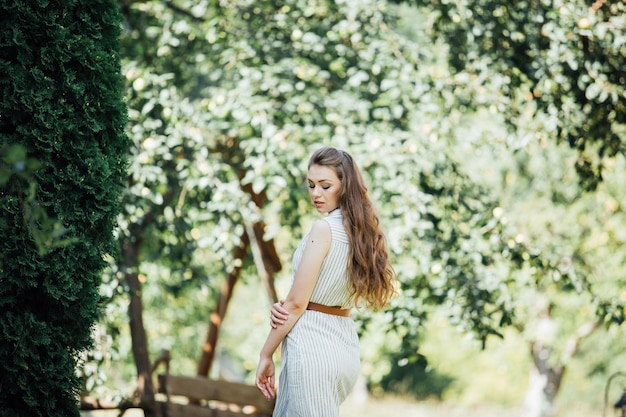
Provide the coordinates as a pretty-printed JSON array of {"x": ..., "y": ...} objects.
[{"x": 340, "y": 264}]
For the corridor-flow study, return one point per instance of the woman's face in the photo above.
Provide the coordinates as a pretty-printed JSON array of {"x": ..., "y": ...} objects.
[{"x": 324, "y": 188}]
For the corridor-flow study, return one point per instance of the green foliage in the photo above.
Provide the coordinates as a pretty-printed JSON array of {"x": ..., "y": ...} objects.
[
  {"x": 463, "y": 242},
  {"x": 412, "y": 376},
  {"x": 14, "y": 162},
  {"x": 61, "y": 173},
  {"x": 558, "y": 68},
  {"x": 47, "y": 233},
  {"x": 505, "y": 260}
]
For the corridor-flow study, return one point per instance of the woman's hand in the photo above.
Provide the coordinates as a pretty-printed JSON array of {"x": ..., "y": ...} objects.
[
  {"x": 278, "y": 314},
  {"x": 265, "y": 377}
]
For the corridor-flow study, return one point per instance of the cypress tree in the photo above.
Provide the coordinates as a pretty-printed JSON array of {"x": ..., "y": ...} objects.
[{"x": 62, "y": 167}]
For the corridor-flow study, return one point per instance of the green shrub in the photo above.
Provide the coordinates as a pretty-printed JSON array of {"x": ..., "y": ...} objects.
[{"x": 63, "y": 161}]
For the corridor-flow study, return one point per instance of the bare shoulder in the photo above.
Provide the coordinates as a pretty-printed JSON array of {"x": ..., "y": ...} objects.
[{"x": 320, "y": 233}]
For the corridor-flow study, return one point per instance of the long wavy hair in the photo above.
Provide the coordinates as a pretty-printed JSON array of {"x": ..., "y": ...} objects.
[{"x": 370, "y": 274}]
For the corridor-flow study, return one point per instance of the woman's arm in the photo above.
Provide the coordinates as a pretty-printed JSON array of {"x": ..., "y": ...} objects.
[{"x": 317, "y": 246}]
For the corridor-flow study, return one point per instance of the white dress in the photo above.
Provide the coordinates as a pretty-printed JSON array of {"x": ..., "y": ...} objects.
[{"x": 320, "y": 355}]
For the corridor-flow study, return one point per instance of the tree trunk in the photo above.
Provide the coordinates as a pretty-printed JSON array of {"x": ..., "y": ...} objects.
[
  {"x": 264, "y": 252},
  {"x": 217, "y": 316},
  {"x": 543, "y": 383},
  {"x": 267, "y": 262},
  {"x": 546, "y": 375},
  {"x": 145, "y": 386},
  {"x": 265, "y": 258}
]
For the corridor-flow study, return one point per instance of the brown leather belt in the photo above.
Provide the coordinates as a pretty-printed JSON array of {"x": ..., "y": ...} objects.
[{"x": 335, "y": 310}]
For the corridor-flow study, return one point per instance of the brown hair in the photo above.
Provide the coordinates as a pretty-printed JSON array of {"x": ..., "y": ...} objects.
[{"x": 369, "y": 271}]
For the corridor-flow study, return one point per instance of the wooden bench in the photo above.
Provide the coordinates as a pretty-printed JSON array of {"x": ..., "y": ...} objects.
[{"x": 190, "y": 396}]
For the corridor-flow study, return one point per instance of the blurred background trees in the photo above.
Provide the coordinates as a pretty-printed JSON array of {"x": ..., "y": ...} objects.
[
  {"x": 556, "y": 67},
  {"x": 455, "y": 111}
]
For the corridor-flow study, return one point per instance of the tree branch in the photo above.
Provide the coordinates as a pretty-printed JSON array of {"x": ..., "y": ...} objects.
[{"x": 572, "y": 345}]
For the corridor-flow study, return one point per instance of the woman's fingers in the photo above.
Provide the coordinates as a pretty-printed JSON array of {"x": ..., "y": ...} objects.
[
  {"x": 265, "y": 379},
  {"x": 278, "y": 314},
  {"x": 267, "y": 389}
]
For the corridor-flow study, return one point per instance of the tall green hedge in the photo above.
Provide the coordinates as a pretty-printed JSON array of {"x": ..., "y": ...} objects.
[{"x": 60, "y": 106}]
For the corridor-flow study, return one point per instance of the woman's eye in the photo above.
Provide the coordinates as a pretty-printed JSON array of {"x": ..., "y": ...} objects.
[{"x": 324, "y": 187}]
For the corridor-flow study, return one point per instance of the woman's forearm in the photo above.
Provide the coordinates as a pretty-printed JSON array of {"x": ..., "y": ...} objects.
[{"x": 277, "y": 334}]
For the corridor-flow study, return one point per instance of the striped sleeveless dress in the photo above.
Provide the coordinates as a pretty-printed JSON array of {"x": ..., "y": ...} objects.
[{"x": 320, "y": 355}]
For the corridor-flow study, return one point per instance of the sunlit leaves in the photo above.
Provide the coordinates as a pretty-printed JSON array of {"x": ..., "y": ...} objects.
[{"x": 563, "y": 63}]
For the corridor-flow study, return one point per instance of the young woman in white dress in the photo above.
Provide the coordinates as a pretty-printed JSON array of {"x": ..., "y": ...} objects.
[{"x": 342, "y": 263}]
